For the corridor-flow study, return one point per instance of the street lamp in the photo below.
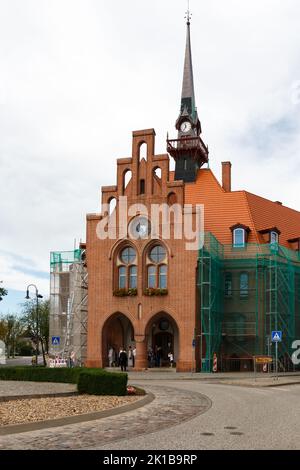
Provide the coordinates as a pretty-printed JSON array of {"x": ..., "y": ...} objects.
[{"x": 38, "y": 296}]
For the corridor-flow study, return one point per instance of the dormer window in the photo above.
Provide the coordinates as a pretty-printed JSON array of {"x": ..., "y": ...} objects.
[
  {"x": 271, "y": 235},
  {"x": 274, "y": 238},
  {"x": 295, "y": 242},
  {"x": 239, "y": 235}
]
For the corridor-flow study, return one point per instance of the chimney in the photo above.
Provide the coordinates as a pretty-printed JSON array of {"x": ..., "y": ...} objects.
[{"x": 226, "y": 176}]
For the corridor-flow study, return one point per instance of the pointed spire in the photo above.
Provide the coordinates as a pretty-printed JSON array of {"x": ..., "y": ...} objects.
[{"x": 188, "y": 91}]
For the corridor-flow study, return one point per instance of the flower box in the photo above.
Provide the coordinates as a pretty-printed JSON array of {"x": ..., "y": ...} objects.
[
  {"x": 125, "y": 292},
  {"x": 155, "y": 292}
]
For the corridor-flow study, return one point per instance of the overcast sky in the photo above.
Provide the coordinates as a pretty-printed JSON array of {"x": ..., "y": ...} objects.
[{"x": 78, "y": 76}]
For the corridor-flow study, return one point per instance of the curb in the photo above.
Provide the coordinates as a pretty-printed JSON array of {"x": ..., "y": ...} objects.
[
  {"x": 53, "y": 423},
  {"x": 257, "y": 385},
  {"x": 38, "y": 395}
]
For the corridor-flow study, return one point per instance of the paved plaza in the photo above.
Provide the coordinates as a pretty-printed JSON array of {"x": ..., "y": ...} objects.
[{"x": 186, "y": 413}]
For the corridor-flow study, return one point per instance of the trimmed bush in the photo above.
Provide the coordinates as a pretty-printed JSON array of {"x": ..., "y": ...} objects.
[
  {"x": 90, "y": 381},
  {"x": 101, "y": 382},
  {"x": 40, "y": 374}
]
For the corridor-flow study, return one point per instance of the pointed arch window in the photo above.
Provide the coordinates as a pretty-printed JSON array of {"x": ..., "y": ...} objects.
[
  {"x": 157, "y": 268},
  {"x": 142, "y": 186},
  {"x": 127, "y": 268}
]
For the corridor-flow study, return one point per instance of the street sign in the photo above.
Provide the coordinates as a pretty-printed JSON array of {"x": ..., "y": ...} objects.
[
  {"x": 263, "y": 359},
  {"x": 55, "y": 340},
  {"x": 276, "y": 336}
]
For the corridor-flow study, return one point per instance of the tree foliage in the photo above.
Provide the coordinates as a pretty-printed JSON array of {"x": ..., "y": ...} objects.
[
  {"x": 3, "y": 293},
  {"x": 11, "y": 330},
  {"x": 36, "y": 323}
]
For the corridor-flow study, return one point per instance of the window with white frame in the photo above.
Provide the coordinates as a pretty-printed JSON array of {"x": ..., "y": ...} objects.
[
  {"x": 239, "y": 237},
  {"x": 274, "y": 237}
]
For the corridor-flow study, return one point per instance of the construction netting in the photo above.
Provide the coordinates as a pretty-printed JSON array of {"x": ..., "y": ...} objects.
[
  {"x": 245, "y": 293},
  {"x": 68, "y": 305}
]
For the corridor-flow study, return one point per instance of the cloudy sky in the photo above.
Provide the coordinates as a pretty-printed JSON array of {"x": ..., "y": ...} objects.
[{"x": 77, "y": 76}]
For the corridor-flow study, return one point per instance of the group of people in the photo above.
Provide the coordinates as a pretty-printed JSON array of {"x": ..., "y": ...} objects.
[
  {"x": 123, "y": 358},
  {"x": 155, "y": 357},
  {"x": 59, "y": 360}
]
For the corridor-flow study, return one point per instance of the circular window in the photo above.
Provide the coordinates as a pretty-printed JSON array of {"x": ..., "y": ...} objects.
[
  {"x": 163, "y": 325},
  {"x": 157, "y": 254},
  {"x": 128, "y": 255},
  {"x": 139, "y": 228}
]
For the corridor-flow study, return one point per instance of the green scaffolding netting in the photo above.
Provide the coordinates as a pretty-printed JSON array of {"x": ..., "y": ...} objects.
[
  {"x": 245, "y": 293},
  {"x": 61, "y": 260}
]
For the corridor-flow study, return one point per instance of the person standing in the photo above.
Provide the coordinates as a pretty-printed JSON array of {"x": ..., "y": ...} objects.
[
  {"x": 171, "y": 359},
  {"x": 110, "y": 356},
  {"x": 123, "y": 360},
  {"x": 130, "y": 357},
  {"x": 72, "y": 359},
  {"x": 133, "y": 356}
]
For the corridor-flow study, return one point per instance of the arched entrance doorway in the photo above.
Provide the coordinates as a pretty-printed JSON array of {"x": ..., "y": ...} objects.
[
  {"x": 163, "y": 338},
  {"x": 117, "y": 333}
]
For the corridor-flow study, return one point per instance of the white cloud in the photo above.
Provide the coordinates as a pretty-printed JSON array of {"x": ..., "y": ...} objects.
[{"x": 78, "y": 76}]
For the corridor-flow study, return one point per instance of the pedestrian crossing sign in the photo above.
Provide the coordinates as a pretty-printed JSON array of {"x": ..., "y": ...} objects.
[
  {"x": 55, "y": 340},
  {"x": 276, "y": 336}
]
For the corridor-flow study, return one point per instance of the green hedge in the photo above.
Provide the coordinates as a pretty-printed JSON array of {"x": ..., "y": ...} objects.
[
  {"x": 90, "y": 381},
  {"x": 40, "y": 374},
  {"x": 101, "y": 382}
]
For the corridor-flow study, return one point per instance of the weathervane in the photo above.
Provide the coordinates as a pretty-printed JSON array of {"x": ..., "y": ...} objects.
[{"x": 188, "y": 14}]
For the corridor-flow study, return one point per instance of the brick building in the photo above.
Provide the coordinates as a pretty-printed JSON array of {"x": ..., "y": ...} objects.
[{"x": 150, "y": 291}]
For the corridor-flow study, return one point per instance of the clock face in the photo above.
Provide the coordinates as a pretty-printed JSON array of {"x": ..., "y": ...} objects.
[
  {"x": 185, "y": 126},
  {"x": 139, "y": 228}
]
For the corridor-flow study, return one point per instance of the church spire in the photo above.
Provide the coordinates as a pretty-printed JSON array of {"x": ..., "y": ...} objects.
[
  {"x": 188, "y": 103},
  {"x": 188, "y": 91},
  {"x": 188, "y": 150}
]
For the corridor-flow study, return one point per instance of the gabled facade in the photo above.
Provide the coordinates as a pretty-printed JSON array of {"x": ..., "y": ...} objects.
[{"x": 151, "y": 292}]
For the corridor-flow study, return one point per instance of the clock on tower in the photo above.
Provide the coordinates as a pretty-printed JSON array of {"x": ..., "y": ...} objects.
[{"x": 188, "y": 150}]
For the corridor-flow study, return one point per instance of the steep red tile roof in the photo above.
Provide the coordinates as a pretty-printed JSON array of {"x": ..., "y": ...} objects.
[
  {"x": 267, "y": 214},
  {"x": 225, "y": 209}
]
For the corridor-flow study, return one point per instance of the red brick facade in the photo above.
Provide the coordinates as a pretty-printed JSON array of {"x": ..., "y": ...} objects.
[{"x": 135, "y": 320}]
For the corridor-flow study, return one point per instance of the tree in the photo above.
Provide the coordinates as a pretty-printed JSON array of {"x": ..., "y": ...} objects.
[
  {"x": 3, "y": 292},
  {"x": 3, "y": 329},
  {"x": 29, "y": 319},
  {"x": 11, "y": 330}
]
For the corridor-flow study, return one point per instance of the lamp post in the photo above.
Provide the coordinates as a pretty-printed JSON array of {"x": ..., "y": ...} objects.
[{"x": 38, "y": 296}]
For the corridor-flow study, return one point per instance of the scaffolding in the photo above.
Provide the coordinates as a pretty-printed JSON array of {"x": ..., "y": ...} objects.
[
  {"x": 68, "y": 304},
  {"x": 211, "y": 298},
  {"x": 245, "y": 293}
]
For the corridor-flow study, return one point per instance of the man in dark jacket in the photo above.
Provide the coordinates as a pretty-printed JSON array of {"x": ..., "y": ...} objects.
[{"x": 123, "y": 360}]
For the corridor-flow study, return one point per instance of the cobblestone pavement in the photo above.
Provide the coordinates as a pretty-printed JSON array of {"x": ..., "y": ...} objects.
[
  {"x": 240, "y": 418},
  {"x": 14, "y": 388},
  {"x": 170, "y": 407}
]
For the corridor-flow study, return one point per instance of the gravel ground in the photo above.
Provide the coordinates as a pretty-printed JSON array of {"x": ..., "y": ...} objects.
[{"x": 40, "y": 409}]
